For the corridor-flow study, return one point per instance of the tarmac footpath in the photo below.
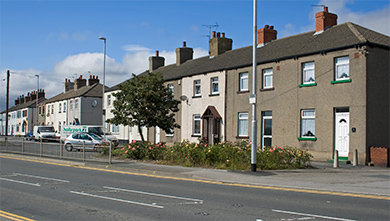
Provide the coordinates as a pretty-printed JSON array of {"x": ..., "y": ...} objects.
[{"x": 348, "y": 180}]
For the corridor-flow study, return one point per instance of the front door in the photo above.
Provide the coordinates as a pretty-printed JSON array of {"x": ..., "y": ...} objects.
[{"x": 342, "y": 133}]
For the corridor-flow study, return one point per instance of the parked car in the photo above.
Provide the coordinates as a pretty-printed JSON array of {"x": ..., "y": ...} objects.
[{"x": 80, "y": 140}]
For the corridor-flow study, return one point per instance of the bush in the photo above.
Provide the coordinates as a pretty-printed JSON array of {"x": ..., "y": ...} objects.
[{"x": 225, "y": 155}]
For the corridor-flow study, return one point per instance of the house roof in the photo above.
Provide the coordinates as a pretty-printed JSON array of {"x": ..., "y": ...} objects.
[
  {"x": 341, "y": 36},
  {"x": 338, "y": 37},
  {"x": 94, "y": 90},
  {"x": 29, "y": 104}
]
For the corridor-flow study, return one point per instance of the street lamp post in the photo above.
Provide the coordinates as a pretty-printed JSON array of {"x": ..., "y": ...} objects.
[
  {"x": 37, "y": 97},
  {"x": 104, "y": 81}
]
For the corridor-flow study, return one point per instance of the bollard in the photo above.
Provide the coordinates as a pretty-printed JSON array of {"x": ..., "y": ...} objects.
[
  {"x": 355, "y": 158},
  {"x": 336, "y": 159},
  {"x": 22, "y": 146},
  {"x": 83, "y": 150},
  {"x": 61, "y": 150},
  {"x": 109, "y": 155},
  {"x": 40, "y": 147}
]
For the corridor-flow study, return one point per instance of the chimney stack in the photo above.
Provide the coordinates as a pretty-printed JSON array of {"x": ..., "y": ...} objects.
[
  {"x": 68, "y": 85},
  {"x": 265, "y": 35},
  {"x": 156, "y": 62},
  {"x": 16, "y": 101},
  {"x": 80, "y": 82},
  {"x": 183, "y": 54},
  {"x": 219, "y": 44},
  {"x": 325, "y": 20},
  {"x": 92, "y": 80}
]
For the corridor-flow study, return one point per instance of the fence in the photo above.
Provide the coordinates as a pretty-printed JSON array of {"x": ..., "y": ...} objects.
[{"x": 52, "y": 149}]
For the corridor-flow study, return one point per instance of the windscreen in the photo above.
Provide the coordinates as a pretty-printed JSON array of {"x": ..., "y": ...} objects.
[
  {"x": 46, "y": 129},
  {"x": 95, "y": 130}
]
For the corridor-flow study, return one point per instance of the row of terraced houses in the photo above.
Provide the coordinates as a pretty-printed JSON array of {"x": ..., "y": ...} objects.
[{"x": 323, "y": 90}]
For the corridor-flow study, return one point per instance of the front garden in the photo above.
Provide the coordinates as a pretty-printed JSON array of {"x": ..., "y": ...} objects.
[{"x": 226, "y": 155}]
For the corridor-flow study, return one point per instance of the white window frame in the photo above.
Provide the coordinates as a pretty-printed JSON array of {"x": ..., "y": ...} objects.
[
  {"x": 108, "y": 100},
  {"x": 267, "y": 74},
  {"x": 244, "y": 77},
  {"x": 76, "y": 104},
  {"x": 71, "y": 105},
  {"x": 308, "y": 73},
  {"x": 197, "y": 88},
  {"x": 197, "y": 121},
  {"x": 64, "y": 107},
  {"x": 214, "y": 84},
  {"x": 59, "y": 108},
  {"x": 115, "y": 128},
  {"x": 264, "y": 118},
  {"x": 338, "y": 64},
  {"x": 243, "y": 120},
  {"x": 305, "y": 127},
  {"x": 52, "y": 109}
]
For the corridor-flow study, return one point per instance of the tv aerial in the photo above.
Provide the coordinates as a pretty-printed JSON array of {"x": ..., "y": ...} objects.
[{"x": 215, "y": 27}]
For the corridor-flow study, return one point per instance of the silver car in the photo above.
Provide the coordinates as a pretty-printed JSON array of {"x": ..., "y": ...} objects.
[{"x": 81, "y": 140}]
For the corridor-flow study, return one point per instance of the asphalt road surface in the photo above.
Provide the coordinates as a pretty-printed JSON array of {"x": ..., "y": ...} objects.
[{"x": 42, "y": 191}]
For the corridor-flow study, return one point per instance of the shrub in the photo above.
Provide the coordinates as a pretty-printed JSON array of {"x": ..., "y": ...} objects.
[{"x": 226, "y": 155}]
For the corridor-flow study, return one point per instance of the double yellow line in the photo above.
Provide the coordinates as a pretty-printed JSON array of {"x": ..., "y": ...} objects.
[{"x": 11, "y": 216}]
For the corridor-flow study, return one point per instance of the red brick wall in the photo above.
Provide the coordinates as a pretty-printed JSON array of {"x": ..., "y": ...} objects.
[{"x": 380, "y": 156}]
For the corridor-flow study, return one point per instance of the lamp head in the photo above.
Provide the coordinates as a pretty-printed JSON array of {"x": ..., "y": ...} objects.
[{"x": 102, "y": 38}]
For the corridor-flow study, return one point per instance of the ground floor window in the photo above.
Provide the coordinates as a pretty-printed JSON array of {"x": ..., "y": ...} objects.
[
  {"x": 243, "y": 124},
  {"x": 114, "y": 128},
  {"x": 308, "y": 123},
  {"x": 266, "y": 125},
  {"x": 196, "y": 125}
]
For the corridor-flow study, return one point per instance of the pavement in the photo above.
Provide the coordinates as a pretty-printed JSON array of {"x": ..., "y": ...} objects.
[{"x": 360, "y": 181}]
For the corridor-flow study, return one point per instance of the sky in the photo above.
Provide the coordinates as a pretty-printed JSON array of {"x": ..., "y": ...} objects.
[{"x": 59, "y": 40}]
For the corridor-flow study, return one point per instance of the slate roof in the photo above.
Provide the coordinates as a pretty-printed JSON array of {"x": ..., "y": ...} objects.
[
  {"x": 94, "y": 90},
  {"x": 338, "y": 37},
  {"x": 29, "y": 104}
]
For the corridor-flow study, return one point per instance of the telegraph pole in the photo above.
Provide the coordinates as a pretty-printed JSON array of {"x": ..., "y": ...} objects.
[{"x": 6, "y": 112}]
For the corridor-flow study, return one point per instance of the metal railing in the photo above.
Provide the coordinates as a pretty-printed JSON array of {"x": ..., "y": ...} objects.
[{"x": 54, "y": 148}]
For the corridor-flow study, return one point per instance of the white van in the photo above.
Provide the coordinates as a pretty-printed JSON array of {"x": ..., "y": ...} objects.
[
  {"x": 69, "y": 129},
  {"x": 44, "y": 133}
]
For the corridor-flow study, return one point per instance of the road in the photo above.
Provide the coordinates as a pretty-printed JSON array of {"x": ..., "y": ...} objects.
[{"x": 42, "y": 191}]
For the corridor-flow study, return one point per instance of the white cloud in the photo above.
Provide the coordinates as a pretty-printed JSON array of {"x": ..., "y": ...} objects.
[
  {"x": 135, "y": 48},
  {"x": 134, "y": 61}
]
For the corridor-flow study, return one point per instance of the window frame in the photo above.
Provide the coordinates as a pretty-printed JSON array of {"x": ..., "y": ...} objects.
[
  {"x": 197, "y": 118},
  {"x": 243, "y": 76},
  {"x": 338, "y": 64},
  {"x": 212, "y": 85},
  {"x": 265, "y": 115},
  {"x": 306, "y": 118},
  {"x": 264, "y": 75},
  {"x": 240, "y": 130},
  {"x": 305, "y": 70},
  {"x": 197, "y": 85}
]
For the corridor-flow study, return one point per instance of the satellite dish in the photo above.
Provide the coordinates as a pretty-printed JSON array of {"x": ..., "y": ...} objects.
[{"x": 183, "y": 98}]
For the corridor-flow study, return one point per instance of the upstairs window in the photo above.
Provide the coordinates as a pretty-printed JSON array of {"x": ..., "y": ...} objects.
[
  {"x": 52, "y": 109},
  {"x": 267, "y": 78},
  {"x": 71, "y": 105},
  {"x": 342, "y": 68},
  {"x": 244, "y": 86},
  {"x": 308, "y": 74},
  {"x": 64, "y": 107},
  {"x": 197, "y": 92},
  {"x": 214, "y": 85},
  {"x": 76, "y": 104},
  {"x": 108, "y": 100},
  {"x": 59, "y": 108}
]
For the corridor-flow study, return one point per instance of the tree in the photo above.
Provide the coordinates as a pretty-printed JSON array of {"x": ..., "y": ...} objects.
[{"x": 144, "y": 101}]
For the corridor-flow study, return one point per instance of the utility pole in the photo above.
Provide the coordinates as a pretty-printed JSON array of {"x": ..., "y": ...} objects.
[{"x": 6, "y": 112}]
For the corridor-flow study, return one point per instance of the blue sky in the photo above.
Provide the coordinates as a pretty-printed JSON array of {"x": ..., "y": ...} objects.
[{"x": 60, "y": 39}]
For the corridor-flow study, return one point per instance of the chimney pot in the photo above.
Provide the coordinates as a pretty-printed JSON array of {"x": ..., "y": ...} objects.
[
  {"x": 271, "y": 27},
  {"x": 184, "y": 44},
  {"x": 266, "y": 26},
  {"x": 214, "y": 34},
  {"x": 156, "y": 53},
  {"x": 325, "y": 9},
  {"x": 223, "y": 35},
  {"x": 81, "y": 77},
  {"x": 218, "y": 34}
]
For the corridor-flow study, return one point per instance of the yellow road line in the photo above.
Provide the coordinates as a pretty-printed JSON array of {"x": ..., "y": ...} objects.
[
  {"x": 212, "y": 182},
  {"x": 13, "y": 216}
]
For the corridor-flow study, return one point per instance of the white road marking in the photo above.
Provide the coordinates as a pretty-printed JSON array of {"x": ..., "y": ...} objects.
[
  {"x": 155, "y": 194},
  {"x": 312, "y": 215},
  {"x": 41, "y": 177},
  {"x": 18, "y": 181},
  {"x": 118, "y": 200}
]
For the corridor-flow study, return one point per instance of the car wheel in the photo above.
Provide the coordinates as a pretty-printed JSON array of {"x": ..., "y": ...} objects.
[{"x": 68, "y": 147}]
